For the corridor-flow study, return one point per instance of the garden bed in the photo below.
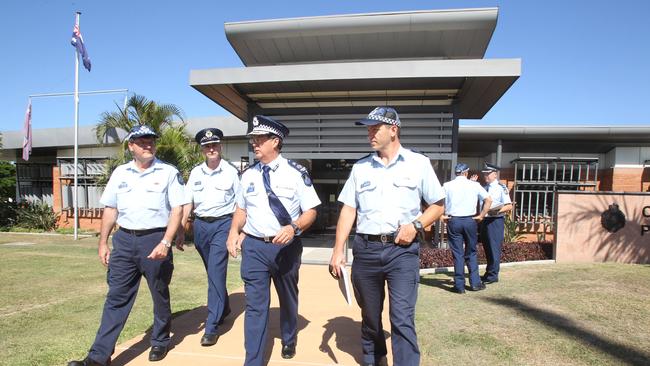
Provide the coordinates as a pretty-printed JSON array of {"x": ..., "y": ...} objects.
[{"x": 511, "y": 252}]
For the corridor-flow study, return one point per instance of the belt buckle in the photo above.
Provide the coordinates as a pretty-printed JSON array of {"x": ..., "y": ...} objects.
[
  {"x": 267, "y": 239},
  {"x": 383, "y": 238}
]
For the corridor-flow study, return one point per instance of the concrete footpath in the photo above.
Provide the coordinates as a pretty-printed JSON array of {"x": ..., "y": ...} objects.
[{"x": 329, "y": 330}]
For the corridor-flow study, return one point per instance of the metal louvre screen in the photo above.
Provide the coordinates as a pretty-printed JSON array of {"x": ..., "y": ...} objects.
[{"x": 336, "y": 136}]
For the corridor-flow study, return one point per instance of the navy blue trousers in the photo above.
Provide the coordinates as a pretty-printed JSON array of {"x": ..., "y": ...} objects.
[
  {"x": 210, "y": 242},
  {"x": 374, "y": 265},
  {"x": 262, "y": 262},
  {"x": 464, "y": 230},
  {"x": 128, "y": 263},
  {"x": 492, "y": 236}
]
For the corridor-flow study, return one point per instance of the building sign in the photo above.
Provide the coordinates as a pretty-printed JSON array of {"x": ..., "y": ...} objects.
[{"x": 645, "y": 228}]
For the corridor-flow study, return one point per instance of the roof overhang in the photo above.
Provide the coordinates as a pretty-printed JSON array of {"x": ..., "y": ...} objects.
[
  {"x": 442, "y": 34},
  {"x": 469, "y": 87}
]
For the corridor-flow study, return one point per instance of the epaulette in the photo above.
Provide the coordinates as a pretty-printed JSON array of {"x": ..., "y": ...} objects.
[
  {"x": 303, "y": 172},
  {"x": 363, "y": 157},
  {"x": 419, "y": 152},
  {"x": 233, "y": 165},
  {"x": 505, "y": 187},
  {"x": 248, "y": 167}
]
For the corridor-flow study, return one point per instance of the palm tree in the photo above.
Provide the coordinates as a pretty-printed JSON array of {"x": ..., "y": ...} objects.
[{"x": 173, "y": 144}]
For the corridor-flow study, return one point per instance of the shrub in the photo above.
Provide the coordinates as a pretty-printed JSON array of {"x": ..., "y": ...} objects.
[
  {"x": 511, "y": 230},
  {"x": 36, "y": 215},
  {"x": 510, "y": 252}
]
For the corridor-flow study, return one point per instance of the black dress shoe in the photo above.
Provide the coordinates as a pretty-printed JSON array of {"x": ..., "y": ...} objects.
[
  {"x": 86, "y": 362},
  {"x": 288, "y": 351},
  {"x": 458, "y": 290},
  {"x": 490, "y": 281},
  {"x": 481, "y": 286},
  {"x": 209, "y": 339},
  {"x": 157, "y": 353}
]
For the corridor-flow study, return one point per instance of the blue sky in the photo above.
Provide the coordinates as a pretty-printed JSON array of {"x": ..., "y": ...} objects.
[{"x": 583, "y": 62}]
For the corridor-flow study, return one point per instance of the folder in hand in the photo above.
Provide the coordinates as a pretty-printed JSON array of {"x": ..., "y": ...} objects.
[{"x": 344, "y": 285}]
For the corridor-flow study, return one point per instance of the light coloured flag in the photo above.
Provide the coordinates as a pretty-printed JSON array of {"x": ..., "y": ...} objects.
[{"x": 27, "y": 130}]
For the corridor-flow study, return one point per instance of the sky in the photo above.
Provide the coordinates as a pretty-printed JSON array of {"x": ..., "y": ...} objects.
[{"x": 583, "y": 62}]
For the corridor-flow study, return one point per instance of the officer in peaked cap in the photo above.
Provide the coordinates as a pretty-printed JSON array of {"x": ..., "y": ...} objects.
[
  {"x": 211, "y": 191},
  {"x": 276, "y": 205},
  {"x": 492, "y": 227},
  {"x": 145, "y": 198},
  {"x": 384, "y": 193},
  {"x": 462, "y": 195}
]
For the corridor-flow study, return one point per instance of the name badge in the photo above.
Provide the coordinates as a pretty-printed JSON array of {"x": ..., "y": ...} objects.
[
  {"x": 251, "y": 188},
  {"x": 365, "y": 184},
  {"x": 122, "y": 185}
]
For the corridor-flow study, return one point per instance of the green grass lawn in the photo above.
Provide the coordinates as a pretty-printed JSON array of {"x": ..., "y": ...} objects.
[{"x": 52, "y": 293}]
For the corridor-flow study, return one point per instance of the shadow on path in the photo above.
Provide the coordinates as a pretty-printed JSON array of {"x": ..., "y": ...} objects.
[
  {"x": 184, "y": 323},
  {"x": 347, "y": 338},
  {"x": 626, "y": 354}
]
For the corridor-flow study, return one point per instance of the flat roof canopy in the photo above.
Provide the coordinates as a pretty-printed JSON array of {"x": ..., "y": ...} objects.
[
  {"x": 471, "y": 86},
  {"x": 441, "y": 34}
]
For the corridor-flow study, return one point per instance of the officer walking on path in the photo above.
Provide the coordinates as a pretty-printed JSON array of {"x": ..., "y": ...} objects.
[
  {"x": 462, "y": 197},
  {"x": 277, "y": 203},
  {"x": 145, "y": 198},
  {"x": 384, "y": 192},
  {"x": 492, "y": 227},
  {"x": 211, "y": 191}
]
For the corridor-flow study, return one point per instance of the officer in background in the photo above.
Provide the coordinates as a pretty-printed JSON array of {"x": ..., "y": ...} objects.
[
  {"x": 492, "y": 227},
  {"x": 462, "y": 197},
  {"x": 211, "y": 191},
  {"x": 276, "y": 205},
  {"x": 145, "y": 198},
  {"x": 384, "y": 193}
]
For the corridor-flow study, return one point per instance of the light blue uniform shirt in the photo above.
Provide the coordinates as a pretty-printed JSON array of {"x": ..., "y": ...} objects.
[
  {"x": 144, "y": 199},
  {"x": 462, "y": 196},
  {"x": 287, "y": 183},
  {"x": 387, "y": 196},
  {"x": 500, "y": 196},
  {"x": 213, "y": 191}
]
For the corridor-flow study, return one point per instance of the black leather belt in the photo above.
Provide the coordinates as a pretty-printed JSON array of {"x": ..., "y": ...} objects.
[
  {"x": 143, "y": 232},
  {"x": 210, "y": 219},
  {"x": 381, "y": 238},
  {"x": 266, "y": 239},
  {"x": 460, "y": 217}
]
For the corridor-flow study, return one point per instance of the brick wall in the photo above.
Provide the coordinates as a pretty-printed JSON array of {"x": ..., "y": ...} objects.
[{"x": 627, "y": 179}]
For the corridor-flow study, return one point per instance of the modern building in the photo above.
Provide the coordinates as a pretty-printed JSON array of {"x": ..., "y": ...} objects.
[{"x": 319, "y": 74}]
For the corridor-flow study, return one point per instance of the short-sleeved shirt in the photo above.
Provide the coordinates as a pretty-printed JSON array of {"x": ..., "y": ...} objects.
[
  {"x": 462, "y": 196},
  {"x": 387, "y": 196},
  {"x": 144, "y": 199},
  {"x": 296, "y": 194},
  {"x": 500, "y": 195},
  {"x": 213, "y": 192}
]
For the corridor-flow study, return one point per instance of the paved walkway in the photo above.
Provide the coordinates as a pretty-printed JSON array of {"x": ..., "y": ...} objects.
[{"x": 329, "y": 331}]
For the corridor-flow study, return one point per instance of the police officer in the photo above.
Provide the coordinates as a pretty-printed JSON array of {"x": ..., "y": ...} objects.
[
  {"x": 276, "y": 205},
  {"x": 462, "y": 196},
  {"x": 145, "y": 198},
  {"x": 492, "y": 227},
  {"x": 211, "y": 191},
  {"x": 384, "y": 193}
]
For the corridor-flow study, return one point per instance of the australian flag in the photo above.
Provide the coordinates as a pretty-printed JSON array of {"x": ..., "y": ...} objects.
[{"x": 78, "y": 42}]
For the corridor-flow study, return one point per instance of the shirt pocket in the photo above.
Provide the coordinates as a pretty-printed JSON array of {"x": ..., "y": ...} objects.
[
  {"x": 197, "y": 193},
  {"x": 124, "y": 199},
  {"x": 285, "y": 194},
  {"x": 223, "y": 191},
  {"x": 155, "y": 197},
  {"x": 367, "y": 196},
  {"x": 407, "y": 193}
]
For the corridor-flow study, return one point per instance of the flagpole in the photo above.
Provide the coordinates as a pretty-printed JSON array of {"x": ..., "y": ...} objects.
[{"x": 75, "y": 203}]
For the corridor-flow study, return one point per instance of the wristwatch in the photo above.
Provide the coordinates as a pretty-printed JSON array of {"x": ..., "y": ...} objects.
[
  {"x": 296, "y": 229},
  {"x": 418, "y": 225},
  {"x": 167, "y": 244}
]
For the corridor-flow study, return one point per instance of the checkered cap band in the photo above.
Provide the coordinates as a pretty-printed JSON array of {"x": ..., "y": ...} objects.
[{"x": 139, "y": 131}]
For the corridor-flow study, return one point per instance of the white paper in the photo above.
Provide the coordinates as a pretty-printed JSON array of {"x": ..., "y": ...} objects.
[{"x": 344, "y": 285}]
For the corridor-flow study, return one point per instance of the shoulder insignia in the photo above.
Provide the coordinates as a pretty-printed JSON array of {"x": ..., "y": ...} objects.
[
  {"x": 418, "y": 152},
  {"x": 364, "y": 157},
  {"x": 248, "y": 167},
  {"x": 505, "y": 188},
  {"x": 302, "y": 170},
  {"x": 179, "y": 177}
]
